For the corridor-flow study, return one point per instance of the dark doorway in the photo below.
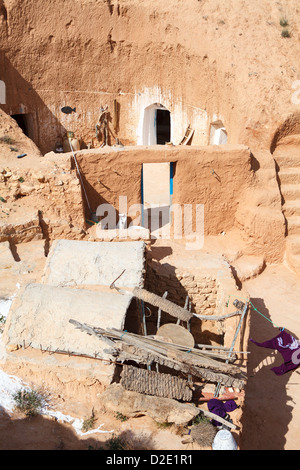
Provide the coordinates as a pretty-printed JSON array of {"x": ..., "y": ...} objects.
[
  {"x": 21, "y": 120},
  {"x": 163, "y": 126}
]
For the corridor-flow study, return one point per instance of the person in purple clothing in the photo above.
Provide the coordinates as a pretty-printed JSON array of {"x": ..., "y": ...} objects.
[
  {"x": 221, "y": 409},
  {"x": 289, "y": 348}
]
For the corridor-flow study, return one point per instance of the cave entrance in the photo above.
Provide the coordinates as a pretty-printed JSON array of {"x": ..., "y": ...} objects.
[
  {"x": 163, "y": 126},
  {"x": 157, "y": 125},
  {"x": 22, "y": 121}
]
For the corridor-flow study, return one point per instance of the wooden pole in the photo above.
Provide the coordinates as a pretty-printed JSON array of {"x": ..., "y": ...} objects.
[
  {"x": 245, "y": 309},
  {"x": 218, "y": 419},
  {"x": 159, "y": 312}
]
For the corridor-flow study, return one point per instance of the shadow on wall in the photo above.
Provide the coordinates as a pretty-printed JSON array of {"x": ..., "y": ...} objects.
[
  {"x": 92, "y": 197},
  {"x": 266, "y": 414},
  {"x": 156, "y": 218},
  {"x": 28, "y": 108}
]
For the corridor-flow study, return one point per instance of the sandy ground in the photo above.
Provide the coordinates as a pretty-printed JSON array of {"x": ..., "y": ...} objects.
[
  {"x": 271, "y": 414},
  {"x": 40, "y": 433},
  {"x": 271, "y": 417}
]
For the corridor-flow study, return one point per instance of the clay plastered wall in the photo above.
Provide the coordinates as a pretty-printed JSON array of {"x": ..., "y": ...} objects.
[
  {"x": 110, "y": 174},
  {"x": 214, "y": 177},
  {"x": 95, "y": 264},
  {"x": 40, "y": 316}
]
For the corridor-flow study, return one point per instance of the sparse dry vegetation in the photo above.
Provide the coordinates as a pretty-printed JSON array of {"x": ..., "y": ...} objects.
[
  {"x": 6, "y": 139},
  {"x": 30, "y": 402},
  {"x": 89, "y": 423},
  {"x": 284, "y": 22},
  {"x": 285, "y": 33}
]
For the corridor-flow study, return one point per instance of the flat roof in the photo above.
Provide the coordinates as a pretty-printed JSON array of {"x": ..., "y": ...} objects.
[
  {"x": 83, "y": 263},
  {"x": 39, "y": 318}
]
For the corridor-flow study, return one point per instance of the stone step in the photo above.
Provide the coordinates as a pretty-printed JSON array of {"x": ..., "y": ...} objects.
[
  {"x": 293, "y": 244},
  {"x": 291, "y": 140},
  {"x": 287, "y": 159},
  {"x": 6, "y": 256},
  {"x": 291, "y": 208},
  {"x": 247, "y": 267},
  {"x": 290, "y": 191},
  {"x": 293, "y": 261},
  {"x": 293, "y": 224},
  {"x": 289, "y": 176}
]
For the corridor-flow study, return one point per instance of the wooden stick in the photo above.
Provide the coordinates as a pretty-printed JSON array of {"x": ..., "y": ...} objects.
[
  {"x": 167, "y": 348},
  {"x": 159, "y": 311},
  {"x": 142, "y": 350},
  {"x": 216, "y": 317},
  {"x": 221, "y": 348},
  {"x": 218, "y": 419},
  {"x": 221, "y": 355},
  {"x": 172, "y": 309},
  {"x": 113, "y": 283},
  {"x": 243, "y": 314},
  {"x": 170, "y": 350}
]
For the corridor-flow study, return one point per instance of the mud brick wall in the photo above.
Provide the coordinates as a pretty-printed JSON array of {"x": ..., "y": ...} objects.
[
  {"x": 202, "y": 291},
  {"x": 53, "y": 201}
]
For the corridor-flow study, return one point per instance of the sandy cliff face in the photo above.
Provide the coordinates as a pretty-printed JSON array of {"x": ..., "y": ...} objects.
[
  {"x": 204, "y": 61},
  {"x": 227, "y": 60}
]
